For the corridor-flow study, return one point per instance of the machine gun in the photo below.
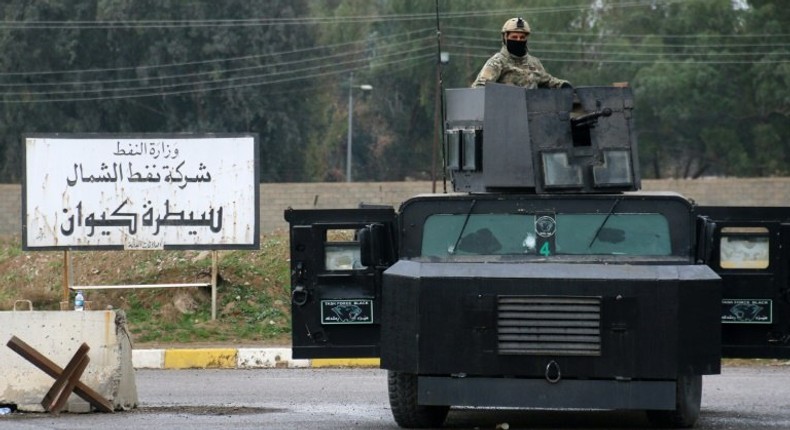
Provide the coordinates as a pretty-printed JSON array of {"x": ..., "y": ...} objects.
[{"x": 590, "y": 119}]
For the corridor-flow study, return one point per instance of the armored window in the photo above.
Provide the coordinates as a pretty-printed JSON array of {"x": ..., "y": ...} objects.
[
  {"x": 744, "y": 248},
  {"x": 341, "y": 250},
  {"x": 641, "y": 234},
  {"x": 478, "y": 234}
]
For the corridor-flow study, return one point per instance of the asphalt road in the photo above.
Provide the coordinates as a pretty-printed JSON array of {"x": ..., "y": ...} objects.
[{"x": 742, "y": 397}]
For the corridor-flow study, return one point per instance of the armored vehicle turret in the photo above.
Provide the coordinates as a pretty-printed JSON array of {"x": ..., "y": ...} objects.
[{"x": 504, "y": 138}]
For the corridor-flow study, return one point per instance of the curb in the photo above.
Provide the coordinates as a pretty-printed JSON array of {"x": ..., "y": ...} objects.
[{"x": 236, "y": 358}]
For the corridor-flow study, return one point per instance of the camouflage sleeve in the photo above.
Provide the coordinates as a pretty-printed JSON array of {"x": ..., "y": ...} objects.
[
  {"x": 489, "y": 72},
  {"x": 545, "y": 80}
]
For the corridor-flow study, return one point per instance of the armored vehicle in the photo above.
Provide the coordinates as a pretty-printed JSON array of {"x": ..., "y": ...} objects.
[{"x": 544, "y": 280}]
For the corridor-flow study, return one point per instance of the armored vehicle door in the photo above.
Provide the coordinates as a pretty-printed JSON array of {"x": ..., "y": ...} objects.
[
  {"x": 751, "y": 253},
  {"x": 335, "y": 283}
]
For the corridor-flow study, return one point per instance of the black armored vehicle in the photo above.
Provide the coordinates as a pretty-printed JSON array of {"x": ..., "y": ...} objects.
[{"x": 544, "y": 280}]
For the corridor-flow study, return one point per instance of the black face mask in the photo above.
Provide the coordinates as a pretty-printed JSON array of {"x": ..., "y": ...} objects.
[{"x": 516, "y": 47}]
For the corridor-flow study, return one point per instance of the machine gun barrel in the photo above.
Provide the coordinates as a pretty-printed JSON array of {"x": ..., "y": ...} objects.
[{"x": 591, "y": 118}]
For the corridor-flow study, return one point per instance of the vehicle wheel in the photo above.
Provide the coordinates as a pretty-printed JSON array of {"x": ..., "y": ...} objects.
[
  {"x": 403, "y": 402},
  {"x": 687, "y": 405}
]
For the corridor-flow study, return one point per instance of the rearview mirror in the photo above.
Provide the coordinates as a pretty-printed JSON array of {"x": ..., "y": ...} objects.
[
  {"x": 375, "y": 246},
  {"x": 705, "y": 240}
]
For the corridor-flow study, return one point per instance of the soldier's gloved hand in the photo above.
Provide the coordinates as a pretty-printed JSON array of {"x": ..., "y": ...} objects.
[{"x": 566, "y": 85}]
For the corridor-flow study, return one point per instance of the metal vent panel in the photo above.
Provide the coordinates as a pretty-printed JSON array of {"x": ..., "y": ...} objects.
[{"x": 545, "y": 325}]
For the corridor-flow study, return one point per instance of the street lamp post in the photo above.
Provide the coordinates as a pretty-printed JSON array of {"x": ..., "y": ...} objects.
[{"x": 351, "y": 87}]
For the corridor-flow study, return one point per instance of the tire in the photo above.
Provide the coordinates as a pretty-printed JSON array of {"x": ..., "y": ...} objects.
[
  {"x": 687, "y": 405},
  {"x": 402, "y": 389}
]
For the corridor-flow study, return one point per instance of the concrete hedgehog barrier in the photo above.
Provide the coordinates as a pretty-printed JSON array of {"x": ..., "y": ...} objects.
[{"x": 56, "y": 336}]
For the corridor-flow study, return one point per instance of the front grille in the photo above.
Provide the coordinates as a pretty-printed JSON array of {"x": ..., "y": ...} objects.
[{"x": 544, "y": 325}]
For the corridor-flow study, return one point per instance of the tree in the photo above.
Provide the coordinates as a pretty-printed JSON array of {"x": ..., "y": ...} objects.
[
  {"x": 148, "y": 77},
  {"x": 697, "y": 100},
  {"x": 710, "y": 76}
]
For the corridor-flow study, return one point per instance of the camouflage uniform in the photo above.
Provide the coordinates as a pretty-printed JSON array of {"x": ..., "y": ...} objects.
[{"x": 526, "y": 71}]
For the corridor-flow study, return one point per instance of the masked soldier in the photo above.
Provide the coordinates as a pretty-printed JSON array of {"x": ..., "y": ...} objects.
[{"x": 513, "y": 65}]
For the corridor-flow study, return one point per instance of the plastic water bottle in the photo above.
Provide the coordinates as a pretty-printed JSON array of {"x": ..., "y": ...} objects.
[
  {"x": 5, "y": 411},
  {"x": 79, "y": 301}
]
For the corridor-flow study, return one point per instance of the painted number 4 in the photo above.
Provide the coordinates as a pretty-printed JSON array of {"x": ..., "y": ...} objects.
[{"x": 545, "y": 250}]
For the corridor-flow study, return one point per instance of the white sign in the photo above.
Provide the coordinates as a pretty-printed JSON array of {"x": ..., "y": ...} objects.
[{"x": 146, "y": 192}]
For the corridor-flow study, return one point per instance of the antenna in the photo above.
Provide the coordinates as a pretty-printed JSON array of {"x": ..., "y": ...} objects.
[{"x": 439, "y": 110}]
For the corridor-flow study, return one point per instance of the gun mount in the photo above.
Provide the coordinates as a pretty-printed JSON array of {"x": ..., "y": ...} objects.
[{"x": 503, "y": 138}]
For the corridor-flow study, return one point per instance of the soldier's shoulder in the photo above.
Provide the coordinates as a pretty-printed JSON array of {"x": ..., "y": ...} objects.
[
  {"x": 497, "y": 58},
  {"x": 499, "y": 55},
  {"x": 533, "y": 60}
]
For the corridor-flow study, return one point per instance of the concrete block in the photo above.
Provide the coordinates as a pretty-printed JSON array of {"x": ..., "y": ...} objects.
[
  {"x": 148, "y": 358},
  {"x": 76, "y": 405},
  {"x": 346, "y": 362},
  {"x": 57, "y": 335},
  {"x": 296, "y": 364},
  {"x": 218, "y": 358},
  {"x": 263, "y": 358}
]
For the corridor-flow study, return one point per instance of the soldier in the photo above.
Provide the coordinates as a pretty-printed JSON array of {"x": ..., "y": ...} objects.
[{"x": 513, "y": 65}]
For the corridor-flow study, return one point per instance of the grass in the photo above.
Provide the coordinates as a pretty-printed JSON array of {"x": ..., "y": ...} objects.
[{"x": 253, "y": 299}]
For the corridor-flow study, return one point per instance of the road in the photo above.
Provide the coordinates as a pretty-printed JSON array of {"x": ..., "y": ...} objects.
[{"x": 742, "y": 397}]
